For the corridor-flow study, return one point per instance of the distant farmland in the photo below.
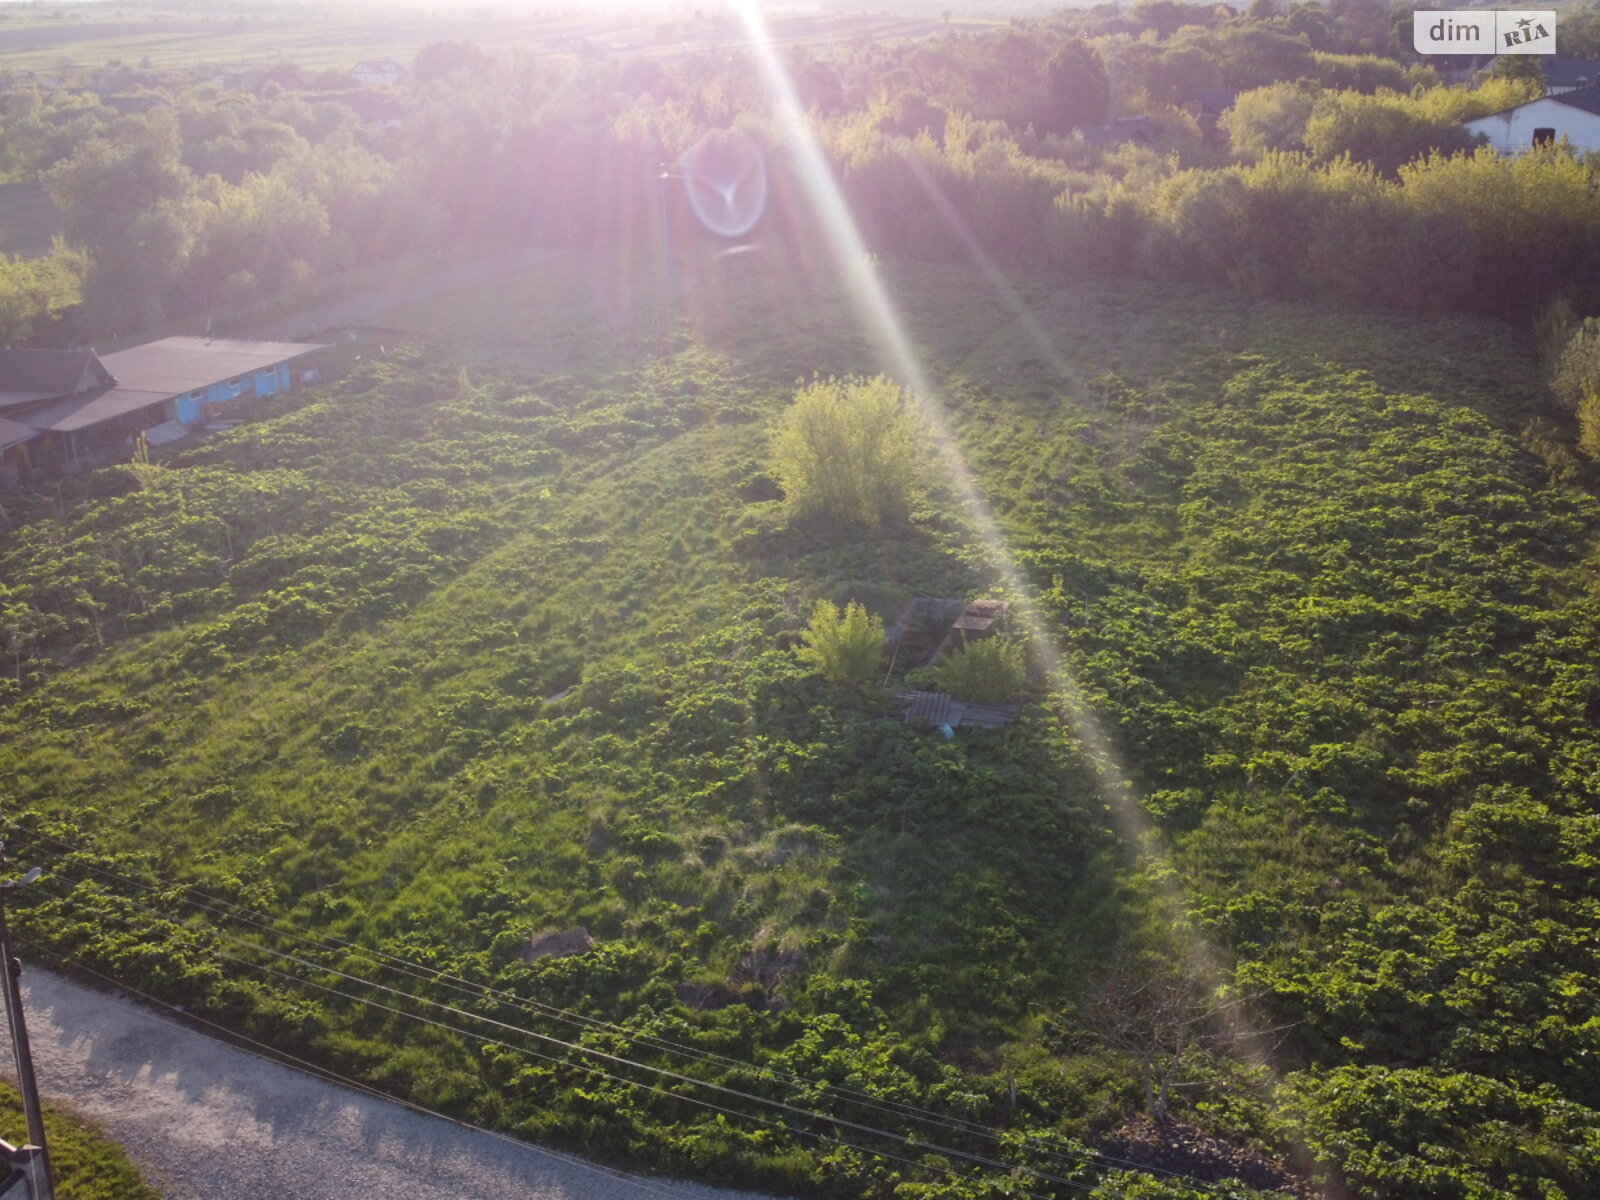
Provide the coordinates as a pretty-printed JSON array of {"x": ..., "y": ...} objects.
[{"x": 250, "y": 38}]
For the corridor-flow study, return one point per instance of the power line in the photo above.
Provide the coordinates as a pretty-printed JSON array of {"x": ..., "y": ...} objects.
[
  {"x": 664, "y": 1073},
  {"x": 537, "y": 1008},
  {"x": 950, "y": 1123},
  {"x": 654, "y": 1187}
]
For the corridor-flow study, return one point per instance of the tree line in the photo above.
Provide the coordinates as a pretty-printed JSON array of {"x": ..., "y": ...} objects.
[{"x": 1336, "y": 173}]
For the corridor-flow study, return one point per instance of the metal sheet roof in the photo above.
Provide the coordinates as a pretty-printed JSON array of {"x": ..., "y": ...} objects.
[
  {"x": 33, "y": 376},
  {"x": 157, "y": 371},
  {"x": 930, "y": 708},
  {"x": 1587, "y": 99},
  {"x": 940, "y": 708},
  {"x": 176, "y": 365},
  {"x": 80, "y": 412},
  {"x": 990, "y": 716},
  {"x": 11, "y": 432}
]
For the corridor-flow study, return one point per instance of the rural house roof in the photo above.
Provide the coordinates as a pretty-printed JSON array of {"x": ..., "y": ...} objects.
[
  {"x": 11, "y": 432},
  {"x": 384, "y": 68},
  {"x": 184, "y": 364},
  {"x": 34, "y": 376},
  {"x": 1588, "y": 99},
  {"x": 1585, "y": 99},
  {"x": 156, "y": 372},
  {"x": 979, "y": 616}
]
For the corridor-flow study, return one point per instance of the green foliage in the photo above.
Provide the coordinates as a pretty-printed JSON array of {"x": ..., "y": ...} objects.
[
  {"x": 843, "y": 647},
  {"x": 87, "y": 1165},
  {"x": 32, "y": 292},
  {"x": 1386, "y": 130},
  {"x": 1361, "y": 72},
  {"x": 1077, "y": 93},
  {"x": 434, "y": 660},
  {"x": 993, "y": 670},
  {"x": 850, "y": 452},
  {"x": 1577, "y": 381},
  {"x": 1408, "y": 1133},
  {"x": 1269, "y": 119}
]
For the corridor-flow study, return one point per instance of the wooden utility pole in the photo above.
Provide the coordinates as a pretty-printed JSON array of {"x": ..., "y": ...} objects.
[{"x": 32, "y": 1160}]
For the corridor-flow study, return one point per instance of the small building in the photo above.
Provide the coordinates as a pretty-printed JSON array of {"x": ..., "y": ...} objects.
[
  {"x": 943, "y": 711},
  {"x": 929, "y": 628},
  {"x": 65, "y": 406},
  {"x": 978, "y": 620},
  {"x": 1573, "y": 115},
  {"x": 379, "y": 72}
]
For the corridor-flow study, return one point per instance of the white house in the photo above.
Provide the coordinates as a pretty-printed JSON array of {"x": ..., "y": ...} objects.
[
  {"x": 378, "y": 72},
  {"x": 1572, "y": 115}
]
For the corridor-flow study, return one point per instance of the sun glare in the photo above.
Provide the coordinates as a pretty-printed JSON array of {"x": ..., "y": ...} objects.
[{"x": 876, "y": 310}]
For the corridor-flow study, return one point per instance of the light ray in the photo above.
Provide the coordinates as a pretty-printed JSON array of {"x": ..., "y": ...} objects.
[
  {"x": 876, "y": 311},
  {"x": 990, "y": 270}
]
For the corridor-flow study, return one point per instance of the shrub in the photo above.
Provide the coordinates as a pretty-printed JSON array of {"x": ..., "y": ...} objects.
[
  {"x": 1577, "y": 382},
  {"x": 849, "y": 451},
  {"x": 844, "y": 647},
  {"x": 992, "y": 670}
]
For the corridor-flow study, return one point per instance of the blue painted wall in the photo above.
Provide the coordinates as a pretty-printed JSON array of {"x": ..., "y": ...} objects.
[{"x": 191, "y": 406}]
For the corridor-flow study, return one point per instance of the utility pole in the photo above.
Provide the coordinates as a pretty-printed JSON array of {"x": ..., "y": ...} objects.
[{"x": 32, "y": 1159}]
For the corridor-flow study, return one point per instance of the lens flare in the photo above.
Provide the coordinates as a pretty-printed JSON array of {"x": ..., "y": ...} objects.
[{"x": 725, "y": 179}]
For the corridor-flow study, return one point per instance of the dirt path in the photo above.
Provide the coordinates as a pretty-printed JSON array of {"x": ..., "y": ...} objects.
[
  {"x": 206, "y": 1121},
  {"x": 423, "y": 283}
]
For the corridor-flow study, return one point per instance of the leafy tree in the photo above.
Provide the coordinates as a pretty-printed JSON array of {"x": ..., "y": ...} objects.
[
  {"x": 1546, "y": 198},
  {"x": 1270, "y": 118},
  {"x": 1577, "y": 382},
  {"x": 850, "y": 451},
  {"x": 1250, "y": 56},
  {"x": 844, "y": 647},
  {"x": 1360, "y": 72},
  {"x": 126, "y": 197},
  {"x": 1525, "y": 68},
  {"x": 1077, "y": 91},
  {"x": 1386, "y": 130},
  {"x": 438, "y": 60},
  {"x": 1166, "y": 17},
  {"x": 992, "y": 670}
]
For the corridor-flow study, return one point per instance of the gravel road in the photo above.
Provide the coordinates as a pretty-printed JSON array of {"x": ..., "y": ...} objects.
[{"x": 206, "y": 1121}]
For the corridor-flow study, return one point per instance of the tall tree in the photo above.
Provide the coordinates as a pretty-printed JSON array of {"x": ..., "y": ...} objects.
[
  {"x": 1077, "y": 90},
  {"x": 126, "y": 198}
]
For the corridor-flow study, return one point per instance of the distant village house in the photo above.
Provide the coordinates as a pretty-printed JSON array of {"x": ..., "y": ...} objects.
[
  {"x": 379, "y": 72},
  {"x": 1573, "y": 115},
  {"x": 65, "y": 408}
]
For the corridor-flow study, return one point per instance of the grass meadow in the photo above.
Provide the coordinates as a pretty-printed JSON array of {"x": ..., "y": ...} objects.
[{"x": 494, "y": 637}]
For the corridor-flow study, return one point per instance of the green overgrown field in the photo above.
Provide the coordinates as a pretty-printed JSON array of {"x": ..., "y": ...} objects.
[
  {"x": 86, "y": 1164},
  {"x": 496, "y": 637}
]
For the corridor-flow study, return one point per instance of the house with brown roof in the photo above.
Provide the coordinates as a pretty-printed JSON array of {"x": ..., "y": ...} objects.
[{"x": 68, "y": 407}]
